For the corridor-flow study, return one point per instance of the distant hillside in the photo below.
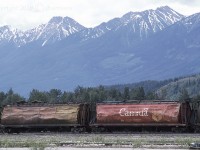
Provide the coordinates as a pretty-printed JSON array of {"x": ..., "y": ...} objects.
[
  {"x": 173, "y": 90},
  {"x": 149, "y": 85},
  {"x": 170, "y": 89}
]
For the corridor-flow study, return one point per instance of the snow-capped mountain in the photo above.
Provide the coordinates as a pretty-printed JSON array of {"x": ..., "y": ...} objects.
[
  {"x": 8, "y": 34},
  {"x": 153, "y": 44},
  {"x": 5, "y": 33},
  {"x": 55, "y": 30},
  {"x": 192, "y": 24},
  {"x": 142, "y": 24},
  {"x": 151, "y": 21}
]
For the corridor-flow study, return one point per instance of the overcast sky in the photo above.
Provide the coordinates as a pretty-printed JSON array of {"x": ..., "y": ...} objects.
[{"x": 25, "y": 14}]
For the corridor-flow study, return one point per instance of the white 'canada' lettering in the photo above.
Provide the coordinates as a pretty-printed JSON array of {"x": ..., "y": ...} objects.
[{"x": 126, "y": 112}]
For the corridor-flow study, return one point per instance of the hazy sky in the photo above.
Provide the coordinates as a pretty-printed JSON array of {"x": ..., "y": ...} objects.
[{"x": 24, "y": 14}]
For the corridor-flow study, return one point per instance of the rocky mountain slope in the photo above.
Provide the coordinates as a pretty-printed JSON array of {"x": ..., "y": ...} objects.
[
  {"x": 55, "y": 30},
  {"x": 149, "y": 45}
]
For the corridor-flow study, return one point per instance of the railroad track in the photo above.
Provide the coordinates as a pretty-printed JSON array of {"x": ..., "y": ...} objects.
[
  {"x": 86, "y": 133},
  {"x": 172, "y": 134}
]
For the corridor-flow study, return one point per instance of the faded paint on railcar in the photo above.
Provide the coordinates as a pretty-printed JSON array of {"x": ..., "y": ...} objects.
[
  {"x": 138, "y": 113},
  {"x": 25, "y": 115}
]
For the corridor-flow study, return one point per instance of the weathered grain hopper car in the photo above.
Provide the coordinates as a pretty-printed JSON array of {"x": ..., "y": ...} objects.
[
  {"x": 68, "y": 116},
  {"x": 145, "y": 115}
]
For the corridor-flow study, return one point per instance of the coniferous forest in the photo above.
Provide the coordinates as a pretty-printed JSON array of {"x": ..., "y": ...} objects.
[{"x": 182, "y": 88}]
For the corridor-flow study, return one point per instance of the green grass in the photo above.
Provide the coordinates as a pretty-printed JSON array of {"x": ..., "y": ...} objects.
[{"x": 33, "y": 144}]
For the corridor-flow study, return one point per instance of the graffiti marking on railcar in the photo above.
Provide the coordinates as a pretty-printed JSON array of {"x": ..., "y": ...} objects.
[{"x": 126, "y": 112}]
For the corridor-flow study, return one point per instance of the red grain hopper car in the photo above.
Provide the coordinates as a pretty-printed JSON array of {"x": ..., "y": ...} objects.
[{"x": 146, "y": 114}]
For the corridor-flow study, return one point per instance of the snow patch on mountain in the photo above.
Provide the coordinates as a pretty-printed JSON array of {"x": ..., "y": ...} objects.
[
  {"x": 55, "y": 30},
  {"x": 143, "y": 23}
]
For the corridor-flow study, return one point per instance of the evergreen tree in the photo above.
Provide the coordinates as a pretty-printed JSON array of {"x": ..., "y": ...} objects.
[
  {"x": 138, "y": 93},
  {"x": 2, "y": 97},
  {"x": 94, "y": 96},
  {"x": 141, "y": 93},
  {"x": 79, "y": 93},
  {"x": 11, "y": 98},
  {"x": 163, "y": 94},
  {"x": 113, "y": 94},
  {"x": 67, "y": 97},
  {"x": 126, "y": 93},
  {"x": 54, "y": 96},
  {"x": 150, "y": 96},
  {"x": 184, "y": 95},
  {"x": 102, "y": 93},
  {"x": 36, "y": 95},
  {"x": 86, "y": 96}
]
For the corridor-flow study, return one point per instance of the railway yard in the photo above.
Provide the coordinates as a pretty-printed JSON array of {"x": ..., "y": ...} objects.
[{"x": 67, "y": 140}]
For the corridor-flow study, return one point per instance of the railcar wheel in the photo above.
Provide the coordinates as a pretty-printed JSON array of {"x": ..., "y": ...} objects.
[
  {"x": 8, "y": 130},
  {"x": 98, "y": 129},
  {"x": 196, "y": 129},
  {"x": 45, "y": 130},
  {"x": 77, "y": 129},
  {"x": 2, "y": 131},
  {"x": 179, "y": 130},
  {"x": 83, "y": 129}
]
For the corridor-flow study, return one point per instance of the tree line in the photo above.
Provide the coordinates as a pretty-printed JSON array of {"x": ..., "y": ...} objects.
[
  {"x": 188, "y": 89},
  {"x": 123, "y": 93},
  {"x": 80, "y": 94}
]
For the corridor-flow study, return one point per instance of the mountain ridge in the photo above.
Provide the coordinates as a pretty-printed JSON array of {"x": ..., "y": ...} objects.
[
  {"x": 59, "y": 27},
  {"x": 104, "y": 55},
  {"x": 56, "y": 29}
]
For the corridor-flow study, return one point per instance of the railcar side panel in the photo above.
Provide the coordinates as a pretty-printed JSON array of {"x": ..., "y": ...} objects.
[
  {"x": 138, "y": 113},
  {"x": 37, "y": 115}
]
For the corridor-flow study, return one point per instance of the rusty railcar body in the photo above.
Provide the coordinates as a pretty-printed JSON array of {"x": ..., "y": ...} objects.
[
  {"x": 108, "y": 116},
  {"x": 143, "y": 114},
  {"x": 30, "y": 116}
]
